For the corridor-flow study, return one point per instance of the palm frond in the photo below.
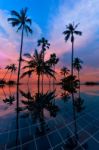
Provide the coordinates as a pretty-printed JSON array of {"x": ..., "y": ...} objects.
[
  {"x": 26, "y": 73},
  {"x": 76, "y": 25},
  {"x": 67, "y": 37},
  {"x": 15, "y": 23},
  {"x": 15, "y": 13},
  {"x": 28, "y": 29},
  {"x": 13, "y": 19},
  {"x": 78, "y": 32},
  {"x": 66, "y": 32},
  {"x": 27, "y": 55},
  {"x": 29, "y": 21}
]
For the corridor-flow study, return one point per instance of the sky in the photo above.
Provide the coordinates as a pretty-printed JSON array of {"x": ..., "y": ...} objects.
[{"x": 49, "y": 20}]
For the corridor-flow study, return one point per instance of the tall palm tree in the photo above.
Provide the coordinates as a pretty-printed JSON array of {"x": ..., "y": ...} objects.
[
  {"x": 44, "y": 45},
  {"x": 69, "y": 33},
  {"x": 77, "y": 65},
  {"x": 22, "y": 22},
  {"x": 13, "y": 69},
  {"x": 64, "y": 71}
]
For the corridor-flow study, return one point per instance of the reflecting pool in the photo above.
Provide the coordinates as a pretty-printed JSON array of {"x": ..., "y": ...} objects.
[{"x": 53, "y": 120}]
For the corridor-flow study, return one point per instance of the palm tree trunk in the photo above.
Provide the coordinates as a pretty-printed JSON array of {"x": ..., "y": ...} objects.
[
  {"x": 38, "y": 84},
  {"x": 78, "y": 76},
  {"x": 42, "y": 73},
  {"x": 49, "y": 83},
  {"x": 42, "y": 81},
  {"x": 79, "y": 83},
  {"x": 10, "y": 76},
  {"x": 19, "y": 67},
  {"x": 72, "y": 57},
  {"x": 28, "y": 80},
  {"x": 54, "y": 80}
]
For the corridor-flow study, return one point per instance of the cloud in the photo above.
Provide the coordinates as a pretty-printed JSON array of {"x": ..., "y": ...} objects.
[
  {"x": 86, "y": 46},
  {"x": 83, "y": 12},
  {"x": 10, "y": 39}
]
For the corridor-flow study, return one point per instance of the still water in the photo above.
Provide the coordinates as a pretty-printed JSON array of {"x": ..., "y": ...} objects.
[{"x": 67, "y": 121}]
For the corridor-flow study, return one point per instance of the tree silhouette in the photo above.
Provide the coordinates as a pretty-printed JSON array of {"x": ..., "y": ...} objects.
[
  {"x": 36, "y": 106},
  {"x": 53, "y": 60},
  {"x": 69, "y": 33},
  {"x": 36, "y": 64},
  {"x": 64, "y": 71},
  {"x": 22, "y": 22},
  {"x": 44, "y": 45},
  {"x": 8, "y": 67},
  {"x": 12, "y": 69},
  {"x": 77, "y": 65}
]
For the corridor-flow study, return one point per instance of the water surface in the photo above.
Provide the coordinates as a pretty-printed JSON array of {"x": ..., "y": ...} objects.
[{"x": 59, "y": 125}]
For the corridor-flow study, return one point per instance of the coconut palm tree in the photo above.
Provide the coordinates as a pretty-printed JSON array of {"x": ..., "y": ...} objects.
[
  {"x": 52, "y": 62},
  {"x": 36, "y": 64},
  {"x": 69, "y": 33},
  {"x": 7, "y": 68},
  {"x": 64, "y": 71},
  {"x": 22, "y": 22},
  {"x": 44, "y": 45},
  {"x": 36, "y": 106},
  {"x": 77, "y": 65},
  {"x": 13, "y": 69}
]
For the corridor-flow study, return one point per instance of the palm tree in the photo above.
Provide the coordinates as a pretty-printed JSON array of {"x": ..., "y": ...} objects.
[
  {"x": 36, "y": 64},
  {"x": 13, "y": 68},
  {"x": 7, "y": 68},
  {"x": 20, "y": 20},
  {"x": 64, "y": 71},
  {"x": 44, "y": 45},
  {"x": 42, "y": 67},
  {"x": 77, "y": 65},
  {"x": 69, "y": 33},
  {"x": 36, "y": 106},
  {"x": 52, "y": 62}
]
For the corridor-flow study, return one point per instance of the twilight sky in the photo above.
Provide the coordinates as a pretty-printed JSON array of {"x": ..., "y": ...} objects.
[{"x": 49, "y": 19}]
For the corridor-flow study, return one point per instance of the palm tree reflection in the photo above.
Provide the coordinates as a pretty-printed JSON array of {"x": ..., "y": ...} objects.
[
  {"x": 65, "y": 96},
  {"x": 36, "y": 105},
  {"x": 79, "y": 102},
  {"x": 70, "y": 86},
  {"x": 8, "y": 99}
]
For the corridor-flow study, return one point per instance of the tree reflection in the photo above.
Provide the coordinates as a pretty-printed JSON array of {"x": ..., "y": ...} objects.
[
  {"x": 36, "y": 105},
  {"x": 65, "y": 96},
  {"x": 8, "y": 99},
  {"x": 79, "y": 102},
  {"x": 70, "y": 86}
]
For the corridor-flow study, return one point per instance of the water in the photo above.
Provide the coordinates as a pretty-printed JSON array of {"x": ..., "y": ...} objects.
[{"x": 60, "y": 124}]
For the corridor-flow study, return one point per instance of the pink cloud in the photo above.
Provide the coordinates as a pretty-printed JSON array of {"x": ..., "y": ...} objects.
[{"x": 10, "y": 39}]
